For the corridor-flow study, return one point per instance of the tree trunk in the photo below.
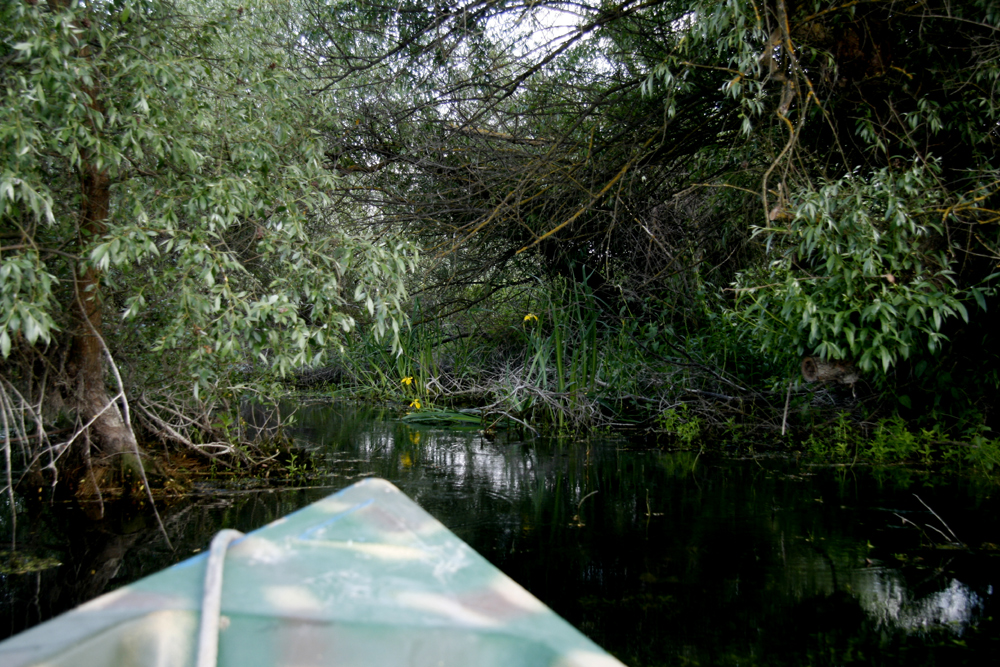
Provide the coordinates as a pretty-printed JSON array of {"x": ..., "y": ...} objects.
[{"x": 109, "y": 432}]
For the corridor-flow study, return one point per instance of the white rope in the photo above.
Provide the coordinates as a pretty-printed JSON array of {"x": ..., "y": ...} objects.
[{"x": 211, "y": 601}]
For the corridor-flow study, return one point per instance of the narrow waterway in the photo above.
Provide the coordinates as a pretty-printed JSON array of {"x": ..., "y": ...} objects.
[{"x": 662, "y": 558}]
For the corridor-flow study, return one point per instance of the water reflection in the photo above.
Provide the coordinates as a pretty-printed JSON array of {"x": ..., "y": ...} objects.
[
  {"x": 888, "y": 599},
  {"x": 662, "y": 558},
  {"x": 886, "y": 596},
  {"x": 667, "y": 558}
]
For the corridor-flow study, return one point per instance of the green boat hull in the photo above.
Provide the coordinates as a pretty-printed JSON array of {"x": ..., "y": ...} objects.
[{"x": 364, "y": 577}]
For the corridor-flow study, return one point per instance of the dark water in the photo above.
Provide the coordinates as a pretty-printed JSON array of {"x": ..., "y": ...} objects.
[{"x": 662, "y": 558}]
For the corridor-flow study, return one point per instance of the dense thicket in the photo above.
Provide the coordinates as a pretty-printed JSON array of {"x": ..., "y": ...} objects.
[
  {"x": 164, "y": 223},
  {"x": 824, "y": 174},
  {"x": 197, "y": 190}
]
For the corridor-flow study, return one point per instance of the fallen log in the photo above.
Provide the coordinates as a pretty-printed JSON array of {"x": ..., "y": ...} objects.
[{"x": 815, "y": 369}]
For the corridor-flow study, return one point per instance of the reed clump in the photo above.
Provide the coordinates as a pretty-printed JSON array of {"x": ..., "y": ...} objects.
[{"x": 558, "y": 359}]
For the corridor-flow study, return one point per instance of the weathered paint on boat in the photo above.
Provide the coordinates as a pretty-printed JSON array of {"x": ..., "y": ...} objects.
[{"x": 364, "y": 577}]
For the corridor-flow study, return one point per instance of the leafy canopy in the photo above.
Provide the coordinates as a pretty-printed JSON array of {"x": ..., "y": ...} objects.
[{"x": 221, "y": 245}]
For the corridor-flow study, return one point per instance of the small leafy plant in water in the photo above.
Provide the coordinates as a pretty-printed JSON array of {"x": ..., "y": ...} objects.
[
  {"x": 892, "y": 442},
  {"x": 677, "y": 422},
  {"x": 840, "y": 442},
  {"x": 297, "y": 469}
]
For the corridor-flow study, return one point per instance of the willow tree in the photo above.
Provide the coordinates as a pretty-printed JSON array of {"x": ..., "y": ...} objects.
[
  {"x": 878, "y": 188},
  {"x": 164, "y": 220},
  {"x": 836, "y": 161},
  {"x": 857, "y": 142},
  {"x": 515, "y": 139}
]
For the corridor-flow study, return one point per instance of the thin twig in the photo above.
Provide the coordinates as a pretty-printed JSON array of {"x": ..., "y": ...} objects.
[
  {"x": 125, "y": 415},
  {"x": 580, "y": 504},
  {"x": 947, "y": 527},
  {"x": 905, "y": 521},
  {"x": 168, "y": 431},
  {"x": 10, "y": 477},
  {"x": 784, "y": 417}
]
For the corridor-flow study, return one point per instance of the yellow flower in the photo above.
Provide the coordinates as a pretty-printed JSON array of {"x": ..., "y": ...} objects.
[
  {"x": 415, "y": 404},
  {"x": 408, "y": 380},
  {"x": 530, "y": 317}
]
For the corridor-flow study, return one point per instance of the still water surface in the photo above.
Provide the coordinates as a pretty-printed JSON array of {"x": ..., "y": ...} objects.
[{"x": 663, "y": 558}]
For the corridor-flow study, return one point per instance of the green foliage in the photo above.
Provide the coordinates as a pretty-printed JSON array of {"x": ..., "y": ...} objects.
[
  {"x": 840, "y": 442},
  {"x": 25, "y": 301},
  {"x": 819, "y": 171},
  {"x": 678, "y": 423},
  {"x": 555, "y": 361},
  {"x": 894, "y": 441},
  {"x": 864, "y": 271},
  {"x": 222, "y": 244},
  {"x": 877, "y": 175},
  {"x": 562, "y": 357},
  {"x": 980, "y": 454}
]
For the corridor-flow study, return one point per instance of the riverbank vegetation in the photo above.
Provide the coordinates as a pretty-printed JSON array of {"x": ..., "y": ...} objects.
[{"x": 565, "y": 216}]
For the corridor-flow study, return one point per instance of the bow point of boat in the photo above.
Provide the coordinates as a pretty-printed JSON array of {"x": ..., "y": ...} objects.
[{"x": 364, "y": 577}]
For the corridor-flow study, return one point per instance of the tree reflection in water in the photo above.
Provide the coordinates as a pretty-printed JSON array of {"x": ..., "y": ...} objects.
[{"x": 662, "y": 558}]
